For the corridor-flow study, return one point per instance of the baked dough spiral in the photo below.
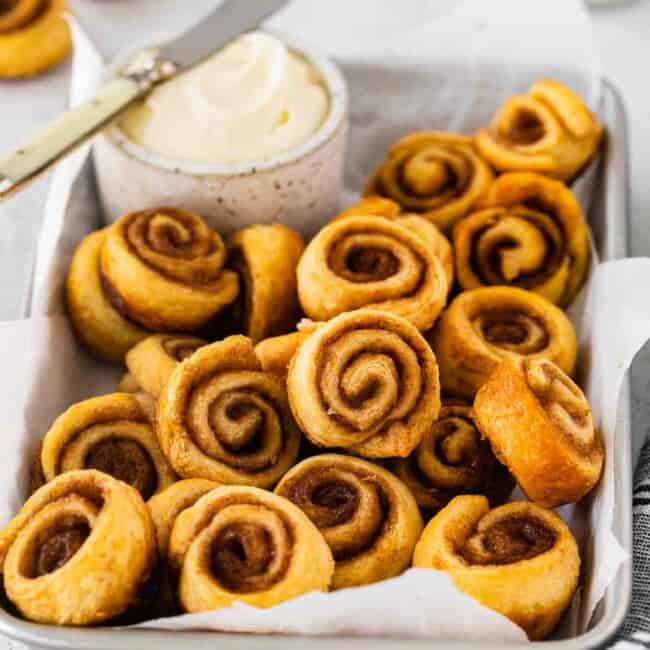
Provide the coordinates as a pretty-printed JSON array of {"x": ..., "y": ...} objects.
[
  {"x": 220, "y": 417},
  {"x": 365, "y": 380},
  {"x": 539, "y": 424},
  {"x": 100, "y": 326},
  {"x": 378, "y": 206},
  {"x": 483, "y": 326},
  {"x": 367, "y": 516},
  {"x": 369, "y": 261},
  {"x": 113, "y": 434},
  {"x": 163, "y": 269},
  {"x": 243, "y": 543},
  {"x": 530, "y": 232},
  {"x": 266, "y": 256},
  {"x": 438, "y": 175},
  {"x": 34, "y": 36},
  {"x": 152, "y": 361},
  {"x": 519, "y": 559},
  {"x": 453, "y": 458},
  {"x": 548, "y": 130},
  {"x": 168, "y": 504},
  {"x": 78, "y": 551}
]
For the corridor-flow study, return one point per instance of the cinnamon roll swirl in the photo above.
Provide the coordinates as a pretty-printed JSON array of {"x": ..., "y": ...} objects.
[
  {"x": 366, "y": 515},
  {"x": 163, "y": 269},
  {"x": 152, "y": 361},
  {"x": 435, "y": 174},
  {"x": 98, "y": 324},
  {"x": 246, "y": 544},
  {"x": 367, "y": 381},
  {"x": 519, "y": 559},
  {"x": 34, "y": 36},
  {"x": 548, "y": 130},
  {"x": 539, "y": 424},
  {"x": 222, "y": 418},
  {"x": 168, "y": 504},
  {"x": 78, "y": 551},
  {"x": 266, "y": 256},
  {"x": 368, "y": 261},
  {"x": 530, "y": 232},
  {"x": 483, "y": 326},
  {"x": 379, "y": 207},
  {"x": 453, "y": 458},
  {"x": 113, "y": 434}
]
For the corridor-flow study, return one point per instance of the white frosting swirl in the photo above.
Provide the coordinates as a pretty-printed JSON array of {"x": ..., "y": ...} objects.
[{"x": 252, "y": 100}]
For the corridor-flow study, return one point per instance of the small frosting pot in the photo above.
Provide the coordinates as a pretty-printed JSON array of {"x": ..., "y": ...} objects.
[{"x": 300, "y": 187}]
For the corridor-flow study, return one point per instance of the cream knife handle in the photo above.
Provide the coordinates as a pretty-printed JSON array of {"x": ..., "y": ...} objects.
[{"x": 67, "y": 131}]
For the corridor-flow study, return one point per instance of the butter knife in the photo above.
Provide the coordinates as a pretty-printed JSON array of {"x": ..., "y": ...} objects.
[{"x": 146, "y": 69}]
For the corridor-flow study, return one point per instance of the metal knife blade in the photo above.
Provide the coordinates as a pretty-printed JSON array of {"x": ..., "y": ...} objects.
[{"x": 230, "y": 18}]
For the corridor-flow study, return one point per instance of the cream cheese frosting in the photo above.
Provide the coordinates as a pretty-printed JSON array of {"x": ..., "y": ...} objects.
[{"x": 252, "y": 100}]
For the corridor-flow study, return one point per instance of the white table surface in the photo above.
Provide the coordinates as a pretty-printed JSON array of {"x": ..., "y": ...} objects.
[{"x": 622, "y": 31}]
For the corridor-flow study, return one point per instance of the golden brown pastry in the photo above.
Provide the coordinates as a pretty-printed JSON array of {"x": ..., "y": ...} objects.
[
  {"x": 483, "y": 326},
  {"x": 99, "y": 325},
  {"x": 78, "y": 551},
  {"x": 548, "y": 130},
  {"x": 112, "y": 433},
  {"x": 518, "y": 559},
  {"x": 34, "y": 36},
  {"x": 369, "y": 261},
  {"x": 168, "y": 504},
  {"x": 539, "y": 424},
  {"x": 530, "y": 232},
  {"x": 275, "y": 354},
  {"x": 266, "y": 256},
  {"x": 453, "y": 458},
  {"x": 163, "y": 269},
  {"x": 366, "y": 380},
  {"x": 221, "y": 417},
  {"x": 246, "y": 544},
  {"x": 438, "y": 175},
  {"x": 379, "y": 207},
  {"x": 152, "y": 361},
  {"x": 128, "y": 384},
  {"x": 367, "y": 516}
]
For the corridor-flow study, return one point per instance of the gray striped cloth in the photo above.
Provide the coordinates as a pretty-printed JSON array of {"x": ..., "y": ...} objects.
[{"x": 635, "y": 633}]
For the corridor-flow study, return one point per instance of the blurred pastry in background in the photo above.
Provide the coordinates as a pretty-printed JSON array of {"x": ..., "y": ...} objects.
[
  {"x": 548, "y": 130},
  {"x": 34, "y": 36}
]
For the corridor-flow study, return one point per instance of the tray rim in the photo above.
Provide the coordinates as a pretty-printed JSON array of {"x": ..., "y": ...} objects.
[{"x": 48, "y": 636}]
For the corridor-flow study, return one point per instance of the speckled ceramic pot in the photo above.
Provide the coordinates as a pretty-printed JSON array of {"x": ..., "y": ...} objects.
[{"x": 299, "y": 188}]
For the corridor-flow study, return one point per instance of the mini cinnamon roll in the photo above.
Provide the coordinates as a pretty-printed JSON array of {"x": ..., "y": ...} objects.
[
  {"x": 34, "y": 36},
  {"x": 368, "y": 261},
  {"x": 152, "y": 361},
  {"x": 163, "y": 269},
  {"x": 518, "y": 559},
  {"x": 367, "y": 381},
  {"x": 222, "y": 418},
  {"x": 168, "y": 504},
  {"x": 379, "y": 207},
  {"x": 453, "y": 459},
  {"x": 548, "y": 130},
  {"x": 539, "y": 424},
  {"x": 435, "y": 174},
  {"x": 366, "y": 515},
  {"x": 99, "y": 325},
  {"x": 483, "y": 326},
  {"x": 78, "y": 551},
  {"x": 530, "y": 232},
  {"x": 266, "y": 256},
  {"x": 246, "y": 544},
  {"x": 113, "y": 434}
]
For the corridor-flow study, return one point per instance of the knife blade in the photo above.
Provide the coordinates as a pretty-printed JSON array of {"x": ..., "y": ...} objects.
[{"x": 49, "y": 144}]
